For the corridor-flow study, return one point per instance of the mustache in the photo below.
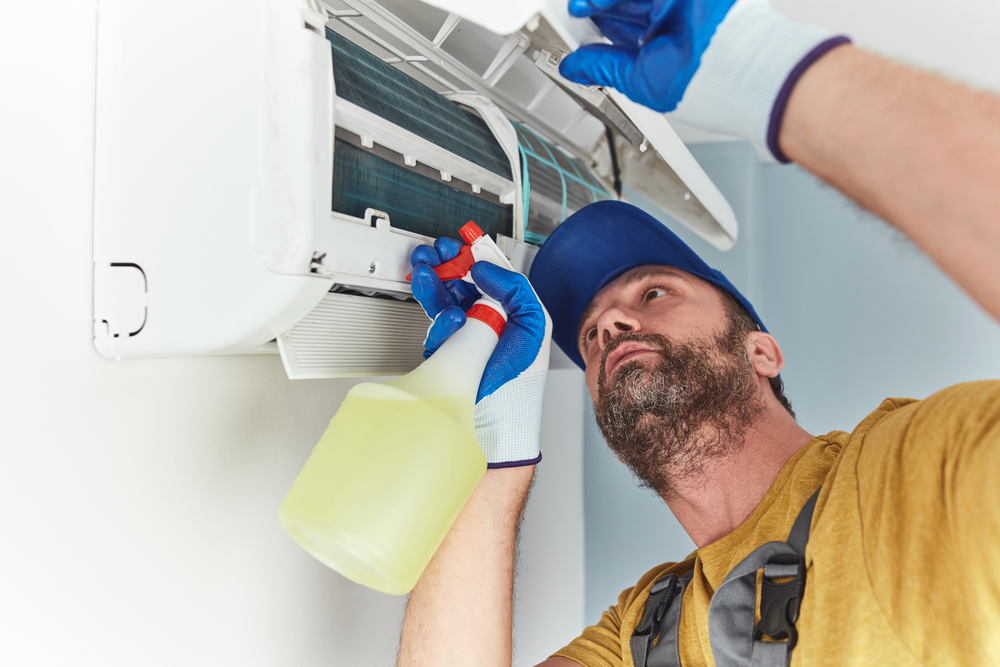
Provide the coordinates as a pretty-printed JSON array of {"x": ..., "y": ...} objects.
[{"x": 656, "y": 340}]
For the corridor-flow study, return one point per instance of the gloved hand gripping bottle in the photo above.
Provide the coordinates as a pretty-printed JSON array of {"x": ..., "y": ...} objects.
[{"x": 399, "y": 460}]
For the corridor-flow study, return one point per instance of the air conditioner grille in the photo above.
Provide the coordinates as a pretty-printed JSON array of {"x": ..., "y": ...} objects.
[{"x": 355, "y": 336}]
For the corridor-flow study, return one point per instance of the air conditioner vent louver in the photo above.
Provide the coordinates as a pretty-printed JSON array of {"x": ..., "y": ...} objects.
[{"x": 349, "y": 336}]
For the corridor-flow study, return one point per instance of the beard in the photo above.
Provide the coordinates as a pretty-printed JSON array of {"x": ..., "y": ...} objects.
[{"x": 693, "y": 406}]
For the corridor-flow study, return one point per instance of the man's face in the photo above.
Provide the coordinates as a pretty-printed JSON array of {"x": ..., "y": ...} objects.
[
  {"x": 649, "y": 299},
  {"x": 672, "y": 383}
]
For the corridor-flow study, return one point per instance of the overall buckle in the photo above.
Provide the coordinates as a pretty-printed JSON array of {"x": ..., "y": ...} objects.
[
  {"x": 661, "y": 595},
  {"x": 779, "y": 603}
]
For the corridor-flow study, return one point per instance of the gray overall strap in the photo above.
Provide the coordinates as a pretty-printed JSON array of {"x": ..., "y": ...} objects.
[
  {"x": 663, "y": 612},
  {"x": 735, "y": 641},
  {"x": 798, "y": 536}
]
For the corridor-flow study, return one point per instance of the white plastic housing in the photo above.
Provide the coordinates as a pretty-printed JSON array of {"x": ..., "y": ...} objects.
[{"x": 212, "y": 142}]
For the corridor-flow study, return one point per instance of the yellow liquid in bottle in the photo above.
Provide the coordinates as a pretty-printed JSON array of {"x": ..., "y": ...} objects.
[{"x": 383, "y": 486}]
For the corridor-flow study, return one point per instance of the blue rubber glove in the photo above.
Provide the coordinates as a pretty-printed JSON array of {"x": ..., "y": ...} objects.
[
  {"x": 509, "y": 402},
  {"x": 718, "y": 65}
]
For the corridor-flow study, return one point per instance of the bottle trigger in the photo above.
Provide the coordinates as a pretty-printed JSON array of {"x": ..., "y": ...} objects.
[
  {"x": 454, "y": 269},
  {"x": 458, "y": 268}
]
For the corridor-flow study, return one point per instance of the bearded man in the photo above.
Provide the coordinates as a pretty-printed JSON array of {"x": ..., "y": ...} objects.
[{"x": 878, "y": 546}]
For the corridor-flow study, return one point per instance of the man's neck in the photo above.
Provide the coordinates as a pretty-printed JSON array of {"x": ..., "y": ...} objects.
[{"x": 728, "y": 490}]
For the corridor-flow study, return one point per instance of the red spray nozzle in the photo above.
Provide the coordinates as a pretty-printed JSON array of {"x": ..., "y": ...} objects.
[
  {"x": 455, "y": 269},
  {"x": 470, "y": 231}
]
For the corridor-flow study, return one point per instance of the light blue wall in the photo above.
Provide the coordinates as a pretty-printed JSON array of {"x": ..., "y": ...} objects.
[{"x": 860, "y": 313}]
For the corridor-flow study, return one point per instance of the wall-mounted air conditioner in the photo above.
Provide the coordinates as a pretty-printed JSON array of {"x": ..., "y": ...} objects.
[{"x": 264, "y": 170}]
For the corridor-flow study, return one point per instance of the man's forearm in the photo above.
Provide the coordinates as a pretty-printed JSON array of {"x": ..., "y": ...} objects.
[
  {"x": 921, "y": 152},
  {"x": 460, "y": 612}
]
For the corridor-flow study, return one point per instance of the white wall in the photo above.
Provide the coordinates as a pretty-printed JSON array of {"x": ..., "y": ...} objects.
[
  {"x": 548, "y": 605},
  {"x": 139, "y": 500},
  {"x": 955, "y": 38}
]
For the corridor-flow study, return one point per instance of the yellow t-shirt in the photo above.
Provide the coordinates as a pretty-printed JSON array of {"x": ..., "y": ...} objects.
[{"x": 903, "y": 561}]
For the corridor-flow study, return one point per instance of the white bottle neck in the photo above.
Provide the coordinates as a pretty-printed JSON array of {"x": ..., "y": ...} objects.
[
  {"x": 463, "y": 357},
  {"x": 456, "y": 368}
]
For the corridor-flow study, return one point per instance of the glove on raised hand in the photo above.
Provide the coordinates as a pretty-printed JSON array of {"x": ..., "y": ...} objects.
[
  {"x": 718, "y": 65},
  {"x": 509, "y": 402}
]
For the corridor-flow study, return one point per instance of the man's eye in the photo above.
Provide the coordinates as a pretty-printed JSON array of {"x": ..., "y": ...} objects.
[
  {"x": 590, "y": 335},
  {"x": 654, "y": 293}
]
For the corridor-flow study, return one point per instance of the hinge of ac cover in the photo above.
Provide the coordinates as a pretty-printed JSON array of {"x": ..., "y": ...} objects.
[
  {"x": 314, "y": 16},
  {"x": 592, "y": 98}
]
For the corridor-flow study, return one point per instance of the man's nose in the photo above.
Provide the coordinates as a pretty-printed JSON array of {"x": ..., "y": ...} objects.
[
  {"x": 619, "y": 326},
  {"x": 614, "y": 323}
]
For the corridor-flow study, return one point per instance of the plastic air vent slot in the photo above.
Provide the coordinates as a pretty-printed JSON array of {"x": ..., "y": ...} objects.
[
  {"x": 357, "y": 290},
  {"x": 119, "y": 304},
  {"x": 122, "y": 290}
]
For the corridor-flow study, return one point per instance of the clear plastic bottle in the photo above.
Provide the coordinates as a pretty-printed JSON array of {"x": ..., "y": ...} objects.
[{"x": 396, "y": 465}]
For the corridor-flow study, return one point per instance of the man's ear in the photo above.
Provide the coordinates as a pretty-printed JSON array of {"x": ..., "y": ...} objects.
[{"x": 765, "y": 354}]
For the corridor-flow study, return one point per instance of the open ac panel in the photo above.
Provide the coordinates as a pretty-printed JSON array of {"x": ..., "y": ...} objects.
[{"x": 263, "y": 171}]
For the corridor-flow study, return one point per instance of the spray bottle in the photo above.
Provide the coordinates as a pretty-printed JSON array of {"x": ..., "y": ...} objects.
[{"x": 399, "y": 460}]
